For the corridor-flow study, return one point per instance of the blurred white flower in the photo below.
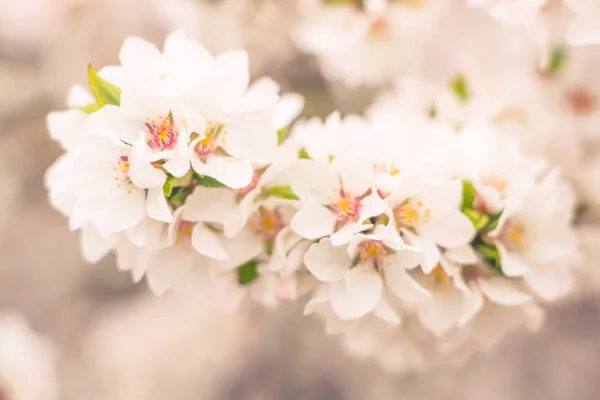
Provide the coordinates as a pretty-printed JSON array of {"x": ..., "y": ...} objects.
[
  {"x": 367, "y": 46},
  {"x": 27, "y": 361}
]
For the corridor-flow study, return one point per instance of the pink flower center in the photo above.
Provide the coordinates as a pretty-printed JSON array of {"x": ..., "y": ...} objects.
[
  {"x": 517, "y": 236},
  {"x": 412, "y": 214},
  {"x": 581, "y": 101},
  {"x": 184, "y": 232},
  {"x": 213, "y": 138},
  {"x": 379, "y": 28},
  {"x": 346, "y": 207},
  {"x": 371, "y": 256},
  {"x": 269, "y": 223},
  {"x": 162, "y": 133}
]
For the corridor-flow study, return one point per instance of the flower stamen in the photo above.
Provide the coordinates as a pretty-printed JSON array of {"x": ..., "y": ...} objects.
[
  {"x": 346, "y": 207},
  {"x": 162, "y": 133}
]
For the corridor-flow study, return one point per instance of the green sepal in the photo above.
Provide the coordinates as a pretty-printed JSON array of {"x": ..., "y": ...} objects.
[
  {"x": 468, "y": 196},
  {"x": 490, "y": 255},
  {"x": 90, "y": 108},
  {"x": 479, "y": 220},
  {"x": 282, "y": 134},
  {"x": 247, "y": 272},
  {"x": 105, "y": 92},
  {"x": 303, "y": 154},
  {"x": 492, "y": 223},
  {"x": 282, "y": 192},
  {"x": 557, "y": 61},
  {"x": 207, "y": 181},
  {"x": 460, "y": 88}
]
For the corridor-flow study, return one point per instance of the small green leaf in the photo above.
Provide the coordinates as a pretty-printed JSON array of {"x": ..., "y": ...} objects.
[
  {"x": 359, "y": 3},
  {"x": 488, "y": 250},
  {"x": 247, "y": 272},
  {"x": 460, "y": 88},
  {"x": 167, "y": 188},
  {"x": 468, "y": 196},
  {"x": 104, "y": 91},
  {"x": 492, "y": 222},
  {"x": 478, "y": 219},
  {"x": 283, "y": 192},
  {"x": 178, "y": 196},
  {"x": 207, "y": 181},
  {"x": 490, "y": 255},
  {"x": 557, "y": 61},
  {"x": 303, "y": 154},
  {"x": 173, "y": 182},
  {"x": 281, "y": 134},
  {"x": 91, "y": 108}
]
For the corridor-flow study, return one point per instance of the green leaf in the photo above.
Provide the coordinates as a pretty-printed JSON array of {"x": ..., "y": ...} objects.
[
  {"x": 173, "y": 182},
  {"x": 478, "y": 219},
  {"x": 557, "y": 61},
  {"x": 247, "y": 272},
  {"x": 488, "y": 250},
  {"x": 104, "y": 91},
  {"x": 283, "y": 192},
  {"x": 303, "y": 154},
  {"x": 359, "y": 3},
  {"x": 178, "y": 196},
  {"x": 281, "y": 134},
  {"x": 468, "y": 196},
  {"x": 490, "y": 255},
  {"x": 91, "y": 108},
  {"x": 460, "y": 88},
  {"x": 492, "y": 222},
  {"x": 207, "y": 181}
]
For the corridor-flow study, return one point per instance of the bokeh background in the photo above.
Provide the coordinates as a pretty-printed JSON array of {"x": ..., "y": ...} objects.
[{"x": 112, "y": 339}]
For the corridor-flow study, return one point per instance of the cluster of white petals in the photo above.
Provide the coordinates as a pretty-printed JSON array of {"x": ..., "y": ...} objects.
[
  {"x": 415, "y": 237},
  {"x": 575, "y": 21}
]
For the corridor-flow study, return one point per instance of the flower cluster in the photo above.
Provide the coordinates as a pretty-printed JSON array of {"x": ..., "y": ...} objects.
[
  {"x": 413, "y": 238},
  {"x": 371, "y": 42},
  {"x": 578, "y": 19},
  {"x": 368, "y": 42}
]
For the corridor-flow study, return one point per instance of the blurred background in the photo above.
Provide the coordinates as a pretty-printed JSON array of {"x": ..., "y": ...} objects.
[{"x": 112, "y": 340}]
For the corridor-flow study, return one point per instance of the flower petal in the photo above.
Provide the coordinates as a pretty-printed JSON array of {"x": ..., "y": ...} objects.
[
  {"x": 402, "y": 285},
  {"x": 502, "y": 292},
  {"x": 326, "y": 262},
  {"x": 441, "y": 312},
  {"x": 94, "y": 247},
  {"x": 549, "y": 281},
  {"x": 512, "y": 264},
  {"x": 432, "y": 253},
  {"x": 290, "y": 105},
  {"x": 157, "y": 206},
  {"x": 358, "y": 294},
  {"x": 207, "y": 243},
  {"x": 230, "y": 171},
  {"x": 451, "y": 229},
  {"x": 252, "y": 135},
  {"x": 344, "y": 235},
  {"x": 313, "y": 221},
  {"x": 472, "y": 303},
  {"x": 139, "y": 54},
  {"x": 387, "y": 313},
  {"x": 306, "y": 187}
]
